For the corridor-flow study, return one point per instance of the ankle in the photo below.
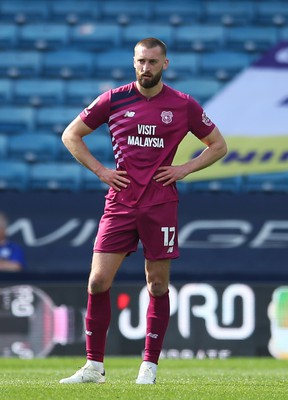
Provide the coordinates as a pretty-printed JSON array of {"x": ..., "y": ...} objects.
[{"x": 98, "y": 365}]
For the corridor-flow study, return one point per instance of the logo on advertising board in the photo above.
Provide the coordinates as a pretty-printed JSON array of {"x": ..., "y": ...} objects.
[
  {"x": 207, "y": 321},
  {"x": 278, "y": 315},
  {"x": 223, "y": 319}
]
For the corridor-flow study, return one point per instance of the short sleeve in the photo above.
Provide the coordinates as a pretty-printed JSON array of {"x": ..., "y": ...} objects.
[
  {"x": 200, "y": 124},
  {"x": 97, "y": 113}
]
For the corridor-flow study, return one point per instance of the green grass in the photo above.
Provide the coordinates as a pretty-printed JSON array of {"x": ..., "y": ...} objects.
[{"x": 231, "y": 379}]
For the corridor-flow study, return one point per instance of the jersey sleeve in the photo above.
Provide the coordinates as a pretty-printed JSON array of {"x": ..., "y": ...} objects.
[
  {"x": 97, "y": 113},
  {"x": 200, "y": 125}
]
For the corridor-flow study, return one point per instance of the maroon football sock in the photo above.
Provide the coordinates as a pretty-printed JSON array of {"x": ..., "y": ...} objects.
[
  {"x": 98, "y": 318},
  {"x": 158, "y": 314}
]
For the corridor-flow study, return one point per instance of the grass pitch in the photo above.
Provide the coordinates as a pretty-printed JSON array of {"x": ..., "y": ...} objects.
[{"x": 231, "y": 379}]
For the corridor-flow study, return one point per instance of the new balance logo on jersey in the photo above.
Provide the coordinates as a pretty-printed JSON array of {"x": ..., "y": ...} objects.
[
  {"x": 89, "y": 333},
  {"x": 170, "y": 249},
  {"x": 152, "y": 335},
  {"x": 129, "y": 114}
]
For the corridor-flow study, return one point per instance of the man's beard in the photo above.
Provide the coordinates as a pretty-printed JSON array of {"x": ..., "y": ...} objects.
[{"x": 147, "y": 82}]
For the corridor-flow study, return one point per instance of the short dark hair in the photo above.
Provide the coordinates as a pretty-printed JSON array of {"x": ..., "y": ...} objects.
[{"x": 151, "y": 42}]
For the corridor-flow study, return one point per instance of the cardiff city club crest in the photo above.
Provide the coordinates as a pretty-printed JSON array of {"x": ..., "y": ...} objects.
[
  {"x": 206, "y": 120},
  {"x": 167, "y": 117}
]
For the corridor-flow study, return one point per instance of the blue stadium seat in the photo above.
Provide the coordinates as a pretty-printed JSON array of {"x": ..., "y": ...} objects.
[
  {"x": 55, "y": 176},
  {"x": 18, "y": 64},
  {"x": 176, "y": 13},
  {"x": 199, "y": 37},
  {"x": 272, "y": 12},
  {"x": 6, "y": 88},
  {"x": 14, "y": 119},
  {"x": 8, "y": 36},
  {"x": 38, "y": 92},
  {"x": 67, "y": 64},
  {"x": 284, "y": 33},
  {"x": 98, "y": 36},
  {"x": 24, "y": 11},
  {"x": 269, "y": 182},
  {"x": 116, "y": 65},
  {"x": 135, "y": 32},
  {"x": 14, "y": 175},
  {"x": 83, "y": 92},
  {"x": 100, "y": 145},
  {"x": 229, "y": 12},
  {"x": 46, "y": 36},
  {"x": 75, "y": 11},
  {"x": 224, "y": 64},
  {"x": 125, "y": 12},
  {"x": 231, "y": 184},
  {"x": 182, "y": 65},
  {"x": 3, "y": 146},
  {"x": 32, "y": 147},
  {"x": 251, "y": 38},
  {"x": 200, "y": 88},
  {"x": 55, "y": 118}
]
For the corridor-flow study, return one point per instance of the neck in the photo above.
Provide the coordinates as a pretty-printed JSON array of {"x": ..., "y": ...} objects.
[{"x": 150, "y": 92}]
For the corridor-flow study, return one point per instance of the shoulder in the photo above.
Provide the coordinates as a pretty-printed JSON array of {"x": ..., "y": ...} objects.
[
  {"x": 123, "y": 91},
  {"x": 184, "y": 98},
  {"x": 169, "y": 91}
]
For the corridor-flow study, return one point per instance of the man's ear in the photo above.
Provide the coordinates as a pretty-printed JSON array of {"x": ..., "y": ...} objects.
[{"x": 166, "y": 64}]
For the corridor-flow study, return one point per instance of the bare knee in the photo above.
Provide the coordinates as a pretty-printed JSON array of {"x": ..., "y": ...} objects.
[
  {"x": 157, "y": 288},
  {"x": 103, "y": 269},
  {"x": 157, "y": 277},
  {"x": 97, "y": 284}
]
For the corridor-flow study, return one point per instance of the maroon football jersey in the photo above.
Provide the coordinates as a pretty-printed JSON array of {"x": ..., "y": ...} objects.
[{"x": 145, "y": 134}]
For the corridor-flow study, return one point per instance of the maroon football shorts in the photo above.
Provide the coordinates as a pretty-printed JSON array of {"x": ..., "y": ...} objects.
[{"x": 121, "y": 228}]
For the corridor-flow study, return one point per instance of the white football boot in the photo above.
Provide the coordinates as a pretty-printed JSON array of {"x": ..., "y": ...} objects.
[
  {"x": 147, "y": 373},
  {"x": 86, "y": 374}
]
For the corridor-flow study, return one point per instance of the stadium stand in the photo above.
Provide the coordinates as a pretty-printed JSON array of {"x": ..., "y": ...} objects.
[
  {"x": 46, "y": 36},
  {"x": 38, "y": 92},
  {"x": 67, "y": 64},
  {"x": 83, "y": 92},
  {"x": 24, "y": 11},
  {"x": 199, "y": 37},
  {"x": 14, "y": 175},
  {"x": 33, "y": 148},
  {"x": 266, "y": 182},
  {"x": 13, "y": 119},
  {"x": 3, "y": 146},
  {"x": 20, "y": 63},
  {"x": 72, "y": 13},
  {"x": 5, "y": 91},
  {"x": 229, "y": 185},
  {"x": 8, "y": 36},
  {"x": 229, "y": 13},
  {"x": 55, "y": 118},
  {"x": 56, "y": 57},
  {"x": 55, "y": 176}
]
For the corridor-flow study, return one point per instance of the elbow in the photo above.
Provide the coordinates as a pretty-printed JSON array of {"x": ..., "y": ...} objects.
[
  {"x": 222, "y": 147},
  {"x": 224, "y": 150},
  {"x": 65, "y": 136}
]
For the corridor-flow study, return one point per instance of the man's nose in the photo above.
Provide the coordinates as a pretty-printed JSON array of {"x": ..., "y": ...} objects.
[{"x": 146, "y": 67}]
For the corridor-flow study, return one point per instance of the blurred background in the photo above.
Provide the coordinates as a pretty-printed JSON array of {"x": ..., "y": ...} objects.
[{"x": 232, "y": 57}]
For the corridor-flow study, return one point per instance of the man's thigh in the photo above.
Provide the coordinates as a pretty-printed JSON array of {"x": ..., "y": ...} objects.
[
  {"x": 117, "y": 231},
  {"x": 158, "y": 231}
]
